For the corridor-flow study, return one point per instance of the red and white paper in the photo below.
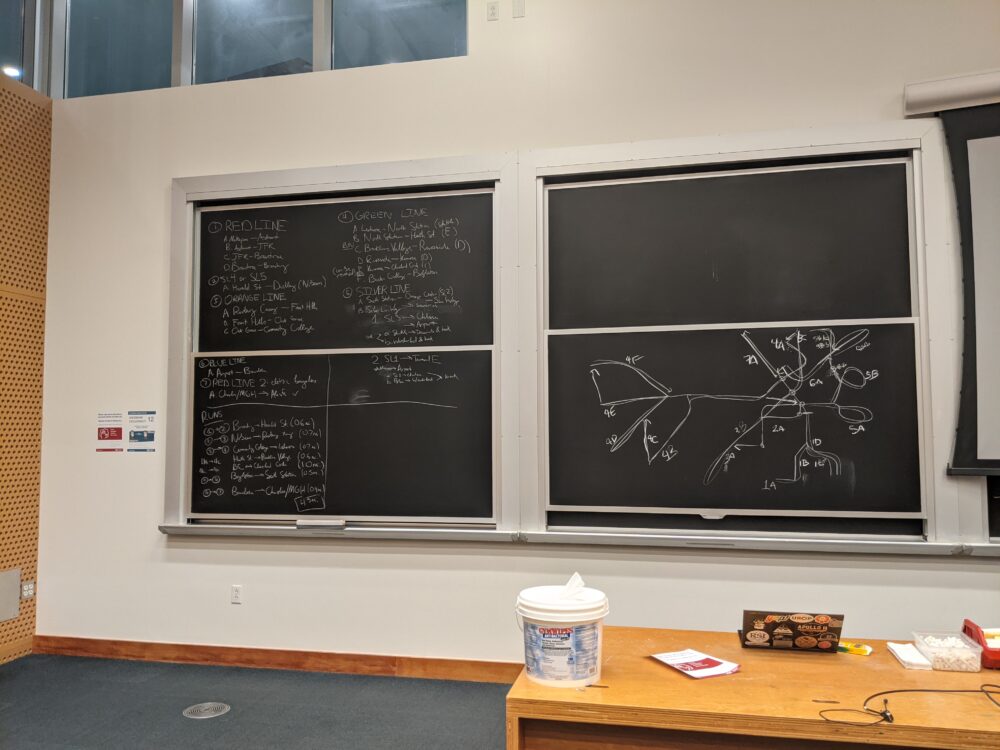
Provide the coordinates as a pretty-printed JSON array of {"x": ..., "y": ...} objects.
[{"x": 696, "y": 664}]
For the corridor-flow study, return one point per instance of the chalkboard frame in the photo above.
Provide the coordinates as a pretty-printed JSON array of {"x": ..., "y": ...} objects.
[
  {"x": 611, "y": 177},
  {"x": 491, "y": 173},
  {"x": 952, "y": 504},
  {"x": 202, "y": 212}
]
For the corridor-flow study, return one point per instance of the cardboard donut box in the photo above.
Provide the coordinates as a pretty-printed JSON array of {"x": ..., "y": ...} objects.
[{"x": 791, "y": 631}]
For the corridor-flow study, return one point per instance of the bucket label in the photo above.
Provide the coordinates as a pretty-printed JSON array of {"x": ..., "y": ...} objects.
[{"x": 553, "y": 652}]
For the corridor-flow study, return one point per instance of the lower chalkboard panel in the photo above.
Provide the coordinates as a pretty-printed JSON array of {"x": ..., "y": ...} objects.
[
  {"x": 347, "y": 435},
  {"x": 815, "y": 419}
]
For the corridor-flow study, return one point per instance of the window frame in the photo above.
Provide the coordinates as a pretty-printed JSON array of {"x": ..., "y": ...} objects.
[{"x": 50, "y": 73}]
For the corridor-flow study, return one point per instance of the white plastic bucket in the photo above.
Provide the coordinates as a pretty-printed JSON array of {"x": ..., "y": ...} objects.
[{"x": 563, "y": 634}]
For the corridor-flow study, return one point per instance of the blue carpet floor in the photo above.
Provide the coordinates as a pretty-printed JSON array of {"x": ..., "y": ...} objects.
[{"x": 62, "y": 702}]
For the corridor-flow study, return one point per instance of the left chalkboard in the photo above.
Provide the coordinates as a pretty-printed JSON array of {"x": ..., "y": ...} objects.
[
  {"x": 343, "y": 359},
  {"x": 414, "y": 270}
]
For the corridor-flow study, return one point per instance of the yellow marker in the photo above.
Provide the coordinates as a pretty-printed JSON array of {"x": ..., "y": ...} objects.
[{"x": 861, "y": 649}]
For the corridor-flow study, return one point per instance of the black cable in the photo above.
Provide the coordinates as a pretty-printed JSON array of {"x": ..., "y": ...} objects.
[
  {"x": 990, "y": 690},
  {"x": 882, "y": 716}
]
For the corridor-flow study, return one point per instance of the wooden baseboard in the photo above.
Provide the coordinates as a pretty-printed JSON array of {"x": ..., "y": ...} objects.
[{"x": 273, "y": 658}]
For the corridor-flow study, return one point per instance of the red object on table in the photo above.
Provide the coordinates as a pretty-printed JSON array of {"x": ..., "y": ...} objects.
[{"x": 991, "y": 656}]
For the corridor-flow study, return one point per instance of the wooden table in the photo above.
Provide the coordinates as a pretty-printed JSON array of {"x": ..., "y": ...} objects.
[{"x": 641, "y": 703}]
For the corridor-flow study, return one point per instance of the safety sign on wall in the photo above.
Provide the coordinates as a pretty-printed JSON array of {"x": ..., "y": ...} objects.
[{"x": 126, "y": 432}]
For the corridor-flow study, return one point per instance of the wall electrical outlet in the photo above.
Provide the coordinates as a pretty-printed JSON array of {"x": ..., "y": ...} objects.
[
  {"x": 27, "y": 589},
  {"x": 493, "y": 10},
  {"x": 236, "y": 594}
]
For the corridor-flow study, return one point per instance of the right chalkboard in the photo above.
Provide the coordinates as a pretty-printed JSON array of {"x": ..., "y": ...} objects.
[{"x": 736, "y": 341}]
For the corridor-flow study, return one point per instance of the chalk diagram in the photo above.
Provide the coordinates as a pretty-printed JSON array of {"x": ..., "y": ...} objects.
[{"x": 781, "y": 401}]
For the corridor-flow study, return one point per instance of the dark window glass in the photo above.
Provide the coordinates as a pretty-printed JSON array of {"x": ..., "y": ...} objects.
[
  {"x": 11, "y": 31},
  {"x": 374, "y": 32},
  {"x": 118, "y": 45},
  {"x": 252, "y": 39}
]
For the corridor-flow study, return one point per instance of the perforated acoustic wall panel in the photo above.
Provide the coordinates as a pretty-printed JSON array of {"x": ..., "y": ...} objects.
[{"x": 25, "y": 145}]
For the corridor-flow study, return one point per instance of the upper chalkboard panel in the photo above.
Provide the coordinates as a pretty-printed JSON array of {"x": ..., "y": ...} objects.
[
  {"x": 407, "y": 271},
  {"x": 807, "y": 243}
]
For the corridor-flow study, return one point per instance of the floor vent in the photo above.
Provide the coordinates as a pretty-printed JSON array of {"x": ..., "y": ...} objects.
[{"x": 206, "y": 710}]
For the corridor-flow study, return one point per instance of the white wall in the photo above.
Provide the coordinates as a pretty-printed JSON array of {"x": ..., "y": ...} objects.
[{"x": 572, "y": 72}]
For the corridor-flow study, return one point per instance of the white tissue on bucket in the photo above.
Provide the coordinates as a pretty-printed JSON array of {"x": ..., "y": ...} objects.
[{"x": 572, "y": 587}]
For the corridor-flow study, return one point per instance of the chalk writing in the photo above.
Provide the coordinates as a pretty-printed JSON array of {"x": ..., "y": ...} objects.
[
  {"x": 379, "y": 274},
  {"x": 262, "y": 424},
  {"x": 819, "y": 379}
]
